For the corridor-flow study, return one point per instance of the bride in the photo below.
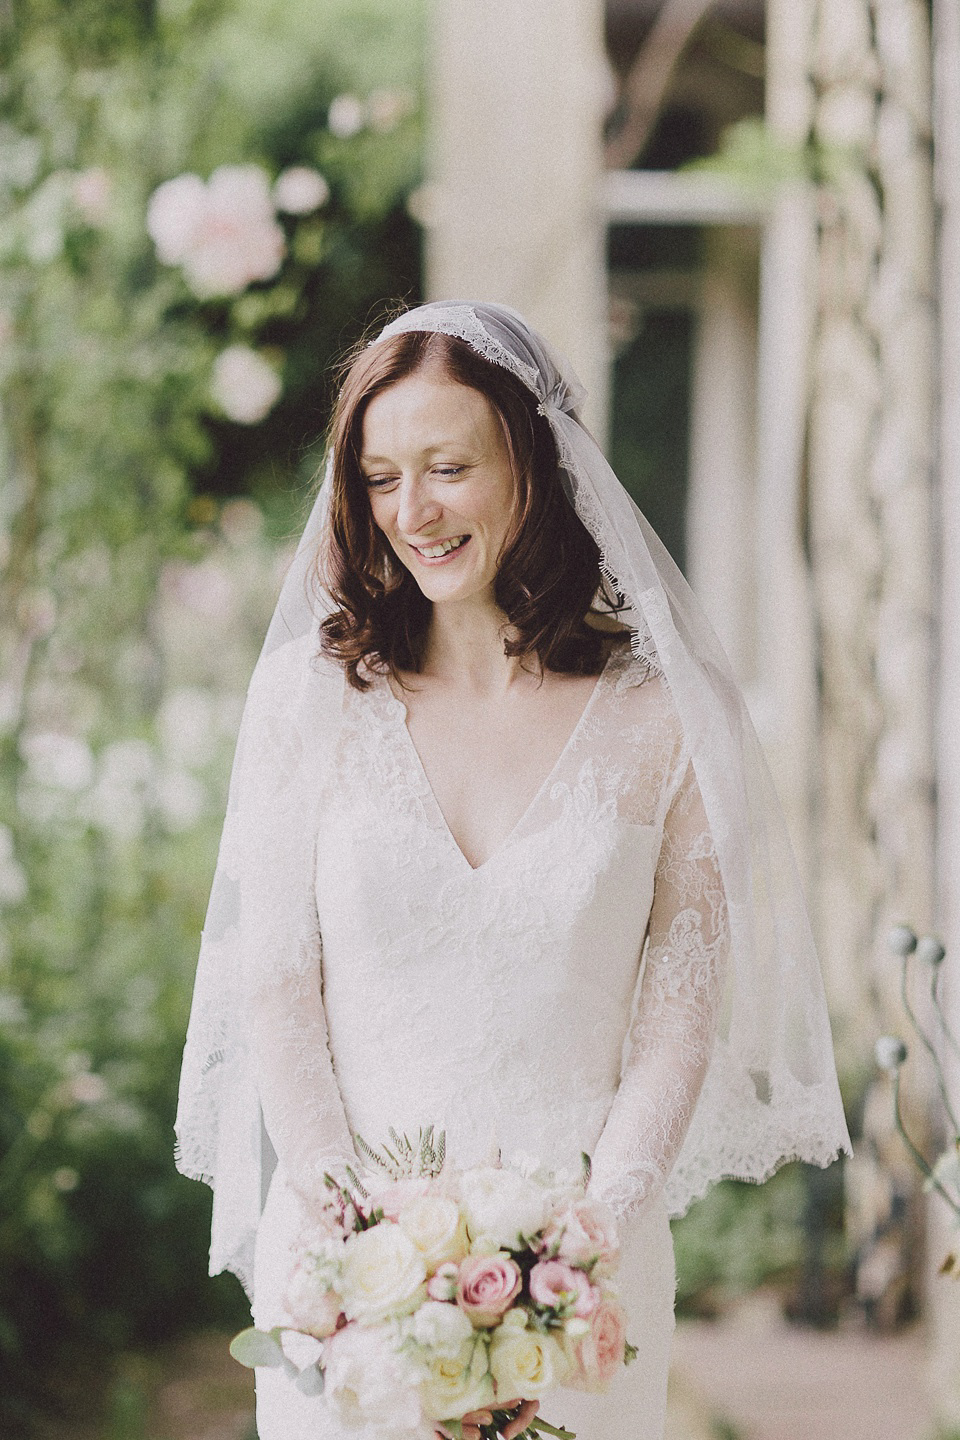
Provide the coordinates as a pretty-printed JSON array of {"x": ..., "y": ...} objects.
[{"x": 501, "y": 853}]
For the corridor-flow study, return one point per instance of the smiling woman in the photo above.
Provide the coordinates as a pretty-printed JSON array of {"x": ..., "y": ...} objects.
[{"x": 501, "y": 858}]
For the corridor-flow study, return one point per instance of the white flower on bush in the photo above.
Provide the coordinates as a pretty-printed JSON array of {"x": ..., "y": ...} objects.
[
  {"x": 244, "y": 386},
  {"x": 383, "y": 1274},
  {"x": 299, "y": 190},
  {"x": 92, "y": 190},
  {"x": 224, "y": 234},
  {"x": 501, "y": 1207},
  {"x": 367, "y": 1381},
  {"x": 388, "y": 107},
  {"x": 456, "y": 1384},
  {"x": 346, "y": 116},
  {"x": 62, "y": 761},
  {"x": 441, "y": 1328}
]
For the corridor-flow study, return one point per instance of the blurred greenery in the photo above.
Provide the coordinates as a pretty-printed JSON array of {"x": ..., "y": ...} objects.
[{"x": 135, "y": 584}]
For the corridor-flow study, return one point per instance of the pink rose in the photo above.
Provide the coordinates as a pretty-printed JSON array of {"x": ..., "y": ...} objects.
[
  {"x": 582, "y": 1233},
  {"x": 597, "y": 1356},
  {"x": 559, "y": 1286},
  {"x": 487, "y": 1286}
]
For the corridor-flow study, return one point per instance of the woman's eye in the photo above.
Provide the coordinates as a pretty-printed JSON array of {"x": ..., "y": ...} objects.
[
  {"x": 380, "y": 482},
  {"x": 449, "y": 469}
]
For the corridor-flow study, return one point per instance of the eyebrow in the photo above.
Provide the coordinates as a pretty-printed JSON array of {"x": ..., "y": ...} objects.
[{"x": 430, "y": 450}]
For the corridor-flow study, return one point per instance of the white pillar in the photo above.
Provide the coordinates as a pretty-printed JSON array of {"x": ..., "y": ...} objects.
[
  {"x": 515, "y": 166},
  {"x": 945, "y": 1298}
]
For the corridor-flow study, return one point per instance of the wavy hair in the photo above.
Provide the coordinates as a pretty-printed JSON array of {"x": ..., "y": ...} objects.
[{"x": 548, "y": 579}]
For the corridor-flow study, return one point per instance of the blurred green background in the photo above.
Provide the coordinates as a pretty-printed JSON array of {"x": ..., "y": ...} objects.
[{"x": 148, "y": 498}]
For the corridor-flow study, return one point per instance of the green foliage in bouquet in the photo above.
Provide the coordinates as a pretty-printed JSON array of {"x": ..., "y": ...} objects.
[{"x": 136, "y": 581}]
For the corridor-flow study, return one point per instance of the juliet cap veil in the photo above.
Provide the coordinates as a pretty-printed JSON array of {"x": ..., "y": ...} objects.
[{"x": 770, "y": 1092}]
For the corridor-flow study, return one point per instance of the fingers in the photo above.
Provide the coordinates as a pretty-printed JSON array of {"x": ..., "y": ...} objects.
[{"x": 521, "y": 1420}]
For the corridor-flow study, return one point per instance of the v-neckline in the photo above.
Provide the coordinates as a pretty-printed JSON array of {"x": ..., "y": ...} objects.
[{"x": 427, "y": 790}]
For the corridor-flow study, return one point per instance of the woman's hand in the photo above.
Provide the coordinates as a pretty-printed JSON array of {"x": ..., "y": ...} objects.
[{"x": 526, "y": 1409}]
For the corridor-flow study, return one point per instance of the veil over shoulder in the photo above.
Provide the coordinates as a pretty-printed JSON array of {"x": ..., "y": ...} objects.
[{"x": 770, "y": 1092}]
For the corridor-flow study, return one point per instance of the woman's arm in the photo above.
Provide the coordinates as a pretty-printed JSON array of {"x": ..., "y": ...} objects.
[
  {"x": 280, "y": 762},
  {"x": 671, "y": 1036}
]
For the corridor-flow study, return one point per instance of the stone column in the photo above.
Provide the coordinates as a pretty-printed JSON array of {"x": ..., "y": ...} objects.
[{"x": 515, "y": 160}]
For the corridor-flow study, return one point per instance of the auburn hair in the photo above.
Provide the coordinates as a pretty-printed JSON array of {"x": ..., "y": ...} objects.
[{"x": 549, "y": 577}]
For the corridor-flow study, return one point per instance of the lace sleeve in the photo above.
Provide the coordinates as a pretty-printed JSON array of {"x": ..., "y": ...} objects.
[
  {"x": 302, "y": 1107},
  {"x": 671, "y": 1036}
]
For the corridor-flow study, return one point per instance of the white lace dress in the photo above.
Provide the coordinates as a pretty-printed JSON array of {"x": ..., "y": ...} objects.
[{"x": 513, "y": 1004}]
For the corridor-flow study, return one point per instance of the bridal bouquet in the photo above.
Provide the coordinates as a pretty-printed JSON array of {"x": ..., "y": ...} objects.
[{"x": 440, "y": 1292}]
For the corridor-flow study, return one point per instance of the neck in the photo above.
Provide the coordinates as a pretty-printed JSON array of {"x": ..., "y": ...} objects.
[{"x": 465, "y": 648}]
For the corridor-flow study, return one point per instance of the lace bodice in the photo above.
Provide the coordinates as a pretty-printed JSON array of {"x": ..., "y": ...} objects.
[{"x": 560, "y": 997}]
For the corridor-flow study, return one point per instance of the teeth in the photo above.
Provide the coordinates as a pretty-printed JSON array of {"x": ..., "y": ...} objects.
[{"x": 443, "y": 547}]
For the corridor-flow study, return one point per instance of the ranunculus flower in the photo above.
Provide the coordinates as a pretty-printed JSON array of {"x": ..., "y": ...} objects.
[
  {"x": 441, "y": 1328},
  {"x": 524, "y": 1363},
  {"x": 443, "y": 1284},
  {"x": 312, "y": 1305},
  {"x": 487, "y": 1286},
  {"x": 560, "y": 1286},
  {"x": 382, "y": 1275},
  {"x": 299, "y": 190},
  {"x": 583, "y": 1232},
  {"x": 366, "y": 1381},
  {"x": 501, "y": 1206},
  {"x": 455, "y": 1385},
  {"x": 244, "y": 386},
  {"x": 223, "y": 233},
  {"x": 596, "y": 1356},
  {"x": 436, "y": 1227}
]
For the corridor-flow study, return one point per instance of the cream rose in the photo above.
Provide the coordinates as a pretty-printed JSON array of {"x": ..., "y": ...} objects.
[
  {"x": 456, "y": 1384},
  {"x": 501, "y": 1206},
  {"x": 382, "y": 1275},
  {"x": 437, "y": 1228},
  {"x": 525, "y": 1363}
]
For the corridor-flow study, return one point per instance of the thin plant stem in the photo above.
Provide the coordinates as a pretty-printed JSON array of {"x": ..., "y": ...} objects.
[
  {"x": 918, "y": 1158},
  {"x": 928, "y": 1045}
]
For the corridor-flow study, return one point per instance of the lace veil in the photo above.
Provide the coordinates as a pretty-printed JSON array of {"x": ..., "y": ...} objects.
[{"x": 770, "y": 1092}]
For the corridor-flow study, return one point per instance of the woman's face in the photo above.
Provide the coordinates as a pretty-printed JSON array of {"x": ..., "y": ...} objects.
[{"x": 440, "y": 482}]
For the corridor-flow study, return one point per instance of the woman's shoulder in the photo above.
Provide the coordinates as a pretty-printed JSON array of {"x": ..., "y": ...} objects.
[{"x": 281, "y": 677}]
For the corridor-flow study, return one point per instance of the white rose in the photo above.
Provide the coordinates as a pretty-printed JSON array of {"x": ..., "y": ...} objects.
[
  {"x": 383, "y": 1274},
  {"x": 501, "y": 1206},
  {"x": 299, "y": 190},
  {"x": 441, "y": 1328},
  {"x": 525, "y": 1363},
  {"x": 244, "y": 386},
  {"x": 456, "y": 1384},
  {"x": 436, "y": 1227},
  {"x": 367, "y": 1382}
]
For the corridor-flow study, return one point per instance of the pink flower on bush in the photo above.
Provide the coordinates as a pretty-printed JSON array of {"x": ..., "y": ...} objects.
[
  {"x": 224, "y": 232},
  {"x": 596, "y": 1356},
  {"x": 585, "y": 1231},
  {"x": 487, "y": 1285},
  {"x": 556, "y": 1284}
]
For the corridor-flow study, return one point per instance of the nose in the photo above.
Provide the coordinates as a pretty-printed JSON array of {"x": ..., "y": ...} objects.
[{"x": 417, "y": 507}]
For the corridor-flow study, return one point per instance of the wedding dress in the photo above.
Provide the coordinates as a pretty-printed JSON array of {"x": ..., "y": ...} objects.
[
  {"x": 496, "y": 1001},
  {"x": 631, "y": 973}
]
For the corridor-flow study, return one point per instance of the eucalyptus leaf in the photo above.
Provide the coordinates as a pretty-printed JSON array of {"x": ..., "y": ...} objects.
[
  {"x": 256, "y": 1347},
  {"x": 310, "y": 1381}
]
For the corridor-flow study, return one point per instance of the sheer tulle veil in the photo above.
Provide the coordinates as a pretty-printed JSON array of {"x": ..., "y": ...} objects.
[{"x": 771, "y": 1090}]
